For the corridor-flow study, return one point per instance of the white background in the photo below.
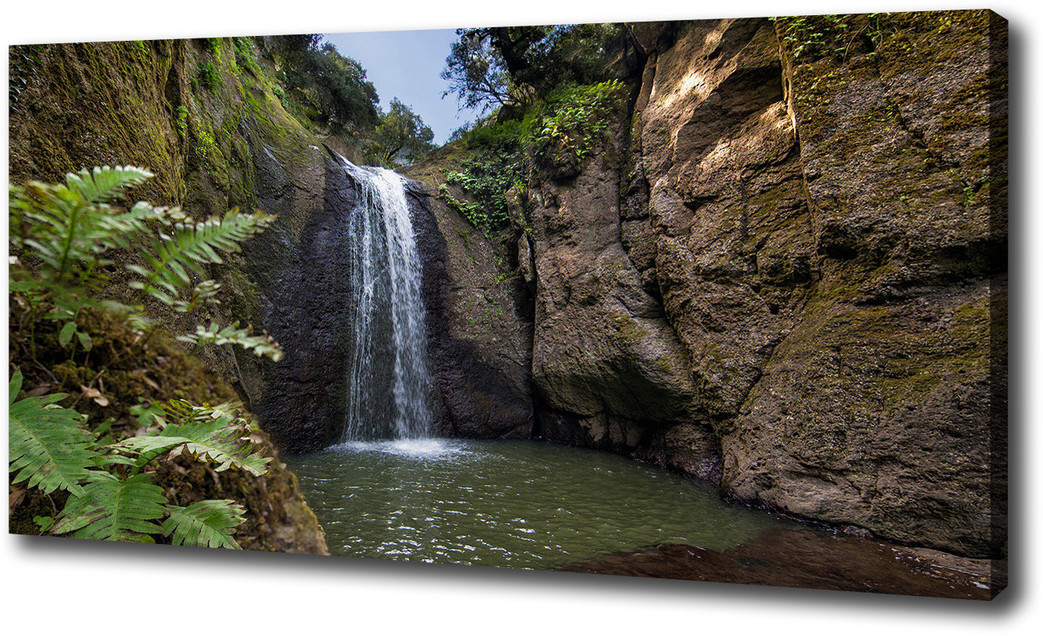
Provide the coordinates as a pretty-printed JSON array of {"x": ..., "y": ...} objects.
[{"x": 59, "y": 584}]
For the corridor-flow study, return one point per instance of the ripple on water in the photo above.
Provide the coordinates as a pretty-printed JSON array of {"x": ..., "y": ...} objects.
[{"x": 507, "y": 503}]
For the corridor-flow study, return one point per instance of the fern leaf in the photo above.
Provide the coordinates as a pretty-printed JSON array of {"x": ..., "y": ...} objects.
[
  {"x": 209, "y": 523},
  {"x": 68, "y": 225},
  {"x": 207, "y": 434},
  {"x": 114, "y": 510},
  {"x": 193, "y": 244},
  {"x": 262, "y": 345},
  {"x": 46, "y": 445},
  {"x": 120, "y": 229},
  {"x": 102, "y": 184}
]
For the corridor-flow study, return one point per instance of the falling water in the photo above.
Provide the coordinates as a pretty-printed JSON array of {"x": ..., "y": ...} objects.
[{"x": 388, "y": 377}]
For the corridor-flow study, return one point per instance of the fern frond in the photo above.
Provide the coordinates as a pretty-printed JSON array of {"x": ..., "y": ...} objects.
[
  {"x": 104, "y": 183},
  {"x": 68, "y": 225},
  {"x": 205, "y": 433},
  {"x": 208, "y": 524},
  {"x": 204, "y": 292},
  {"x": 46, "y": 445},
  {"x": 114, "y": 510},
  {"x": 261, "y": 345},
  {"x": 121, "y": 230},
  {"x": 190, "y": 246}
]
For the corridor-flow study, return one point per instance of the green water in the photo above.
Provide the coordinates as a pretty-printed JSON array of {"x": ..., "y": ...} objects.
[{"x": 508, "y": 503}]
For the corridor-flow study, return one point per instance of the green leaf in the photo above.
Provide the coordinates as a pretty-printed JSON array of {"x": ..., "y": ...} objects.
[
  {"x": 262, "y": 345},
  {"x": 209, "y": 523},
  {"x": 102, "y": 184},
  {"x": 65, "y": 336},
  {"x": 207, "y": 434},
  {"x": 14, "y": 387},
  {"x": 111, "y": 509},
  {"x": 191, "y": 245},
  {"x": 46, "y": 445}
]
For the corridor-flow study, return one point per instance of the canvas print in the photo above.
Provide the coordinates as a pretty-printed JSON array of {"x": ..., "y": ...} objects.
[{"x": 715, "y": 300}]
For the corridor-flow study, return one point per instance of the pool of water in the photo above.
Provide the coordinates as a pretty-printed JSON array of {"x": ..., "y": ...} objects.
[{"x": 518, "y": 504}]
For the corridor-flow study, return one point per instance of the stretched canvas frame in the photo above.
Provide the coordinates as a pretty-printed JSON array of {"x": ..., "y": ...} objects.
[{"x": 836, "y": 246}]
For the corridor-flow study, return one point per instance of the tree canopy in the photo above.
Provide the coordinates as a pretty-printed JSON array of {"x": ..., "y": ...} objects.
[
  {"x": 335, "y": 85},
  {"x": 401, "y": 136},
  {"x": 494, "y": 66}
]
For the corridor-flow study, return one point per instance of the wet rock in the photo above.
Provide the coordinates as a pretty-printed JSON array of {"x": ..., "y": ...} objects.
[
  {"x": 301, "y": 267},
  {"x": 478, "y": 334}
]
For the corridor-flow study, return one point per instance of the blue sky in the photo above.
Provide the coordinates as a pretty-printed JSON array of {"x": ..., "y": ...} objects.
[{"x": 407, "y": 65}]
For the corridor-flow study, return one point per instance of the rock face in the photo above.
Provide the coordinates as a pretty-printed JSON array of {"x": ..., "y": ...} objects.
[
  {"x": 478, "y": 336},
  {"x": 787, "y": 272},
  {"x": 888, "y": 395},
  {"x": 302, "y": 299},
  {"x": 828, "y": 238},
  {"x": 608, "y": 369}
]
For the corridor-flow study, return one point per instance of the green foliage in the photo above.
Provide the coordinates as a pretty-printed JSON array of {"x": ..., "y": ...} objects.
[
  {"x": 205, "y": 523},
  {"x": 181, "y": 121},
  {"x": 173, "y": 257},
  {"x": 68, "y": 226},
  {"x": 46, "y": 444},
  {"x": 575, "y": 119},
  {"x": 206, "y": 144},
  {"x": 506, "y": 136},
  {"x": 67, "y": 237},
  {"x": 262, "y": 345},
  {"x": 497, "y": 66},
  {"x": 571, "y": 122},
  {"x": 245, "y": 56},
  {"x": 475, "y": 71},
  {"x": 331, "y": 85},
  {"x": 67, "y": 233},
  {"x": 114, "y": 509},
  {"x": 207, "y": 76},
  {"x": 812, "y": 38},
  {"x": 215, "y": 435},
  {"x": 401, "y": 137},
  {"x": 486, "y": 177},
  {"x": 111, "y": 494}
]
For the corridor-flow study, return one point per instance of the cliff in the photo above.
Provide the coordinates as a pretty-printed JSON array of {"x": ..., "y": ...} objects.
[{"x": 782, "y": 270}]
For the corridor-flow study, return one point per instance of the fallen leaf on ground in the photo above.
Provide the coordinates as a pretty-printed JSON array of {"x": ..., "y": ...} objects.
[{"x": 95, "y": 395}]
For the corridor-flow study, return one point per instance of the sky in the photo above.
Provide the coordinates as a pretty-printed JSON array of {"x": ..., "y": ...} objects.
[{"x": 408, "y": 65}]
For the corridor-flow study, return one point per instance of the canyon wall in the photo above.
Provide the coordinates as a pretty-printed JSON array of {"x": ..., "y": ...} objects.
[{"x": 784, "y": 271}]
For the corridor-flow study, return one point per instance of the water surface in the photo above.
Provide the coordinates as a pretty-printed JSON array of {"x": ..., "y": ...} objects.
[{"x": 519, "y": 504}]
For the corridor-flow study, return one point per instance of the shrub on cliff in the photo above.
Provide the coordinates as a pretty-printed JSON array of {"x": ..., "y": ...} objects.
[
  {"x": 560, "y": 130},
  {"x": 333, "y": 85}
]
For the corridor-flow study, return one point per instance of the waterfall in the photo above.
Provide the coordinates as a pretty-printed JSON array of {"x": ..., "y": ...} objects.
[{"x": 388, "y": 378}]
